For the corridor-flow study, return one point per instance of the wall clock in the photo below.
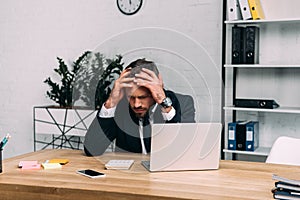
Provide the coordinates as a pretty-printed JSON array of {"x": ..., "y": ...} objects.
[{"x": 129, "y": 7}]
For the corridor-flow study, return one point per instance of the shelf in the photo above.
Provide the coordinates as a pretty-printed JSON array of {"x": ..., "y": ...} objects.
[
  {"x": 260, "y": 151},
  {"x": 294, "y": 110},
  {"x": 287, "y": 20},
  {"x": 261, "y": 66}
]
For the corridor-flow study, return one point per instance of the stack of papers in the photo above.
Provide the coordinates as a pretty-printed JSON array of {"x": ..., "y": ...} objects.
[
  {"x": 119, "y": 164},
  {"x": 286, "y": 187}
]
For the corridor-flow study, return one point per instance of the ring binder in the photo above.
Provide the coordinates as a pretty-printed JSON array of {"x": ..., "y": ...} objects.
[
  {"x": 251, "y": 44},
  {"x": 256, "y": 103},
  {"x": 233, "y": 10},
  {"x": 245, "y": 9},
  {"x": 256, "y": 9},
  {"x": 237, "y": 45},
  {"x": 252, "y": 141}
]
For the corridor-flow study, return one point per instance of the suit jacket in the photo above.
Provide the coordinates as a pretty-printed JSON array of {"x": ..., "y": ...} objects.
[{"x": 124, "y": 127}]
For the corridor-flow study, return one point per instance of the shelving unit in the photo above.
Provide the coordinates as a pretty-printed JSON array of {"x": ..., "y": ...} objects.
[{"x": 276, "y": 76}]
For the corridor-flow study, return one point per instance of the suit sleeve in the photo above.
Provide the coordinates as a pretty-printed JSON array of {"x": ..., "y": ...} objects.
[{"x": 99, "y": 136}]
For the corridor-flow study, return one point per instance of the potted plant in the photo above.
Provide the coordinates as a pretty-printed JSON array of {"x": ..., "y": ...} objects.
[
  {"x": 63, "y": 93},
  {"x": 90, "y": 79},
  {"x": 94, "y": 81}
]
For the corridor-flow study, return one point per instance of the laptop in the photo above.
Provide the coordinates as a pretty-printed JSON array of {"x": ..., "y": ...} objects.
[{"x": 184, "y": 146}]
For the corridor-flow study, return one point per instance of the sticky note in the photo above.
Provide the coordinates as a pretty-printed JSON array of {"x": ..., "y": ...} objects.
[
  {"x": 27, "y": 162},
  {"x": 59, "y": 160},
  {"x": 36, "y": 166},
  {"x": 51, "y": 165}
]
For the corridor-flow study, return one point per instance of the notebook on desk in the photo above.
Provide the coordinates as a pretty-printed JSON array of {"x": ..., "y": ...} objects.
[{"x": 184, "y": 146}]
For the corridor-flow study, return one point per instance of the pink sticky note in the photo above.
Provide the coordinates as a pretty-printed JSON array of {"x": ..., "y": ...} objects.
[
  {"x": 36, "y": 166},
  {"x": 27, "y": 163}
]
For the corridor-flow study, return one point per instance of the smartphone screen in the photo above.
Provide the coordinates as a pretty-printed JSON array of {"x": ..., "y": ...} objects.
[{"x": 91, "y": 173}]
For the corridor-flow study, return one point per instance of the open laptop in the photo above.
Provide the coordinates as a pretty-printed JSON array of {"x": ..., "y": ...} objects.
[{"x": 184, "y": 146}]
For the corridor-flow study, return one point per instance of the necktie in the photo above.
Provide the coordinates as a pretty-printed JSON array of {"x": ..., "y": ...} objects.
[
  {"x": 141, "y": 127},
  {"x": 144, "y": 151}
]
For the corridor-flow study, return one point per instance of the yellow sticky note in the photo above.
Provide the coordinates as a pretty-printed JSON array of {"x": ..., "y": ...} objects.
[
  {"x": 59, "y": 160},
  {"x": 51, "y": 165}
]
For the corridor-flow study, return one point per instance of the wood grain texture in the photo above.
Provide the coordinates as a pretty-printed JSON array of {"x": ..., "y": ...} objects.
[{"x": 234, "y": 179}]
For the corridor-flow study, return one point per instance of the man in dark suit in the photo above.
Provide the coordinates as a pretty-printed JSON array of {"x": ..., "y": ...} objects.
[{"x": 137, "y": 100}]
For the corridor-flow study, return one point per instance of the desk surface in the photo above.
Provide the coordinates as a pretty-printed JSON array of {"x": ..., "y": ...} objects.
[{"x": 234, "y": 179}]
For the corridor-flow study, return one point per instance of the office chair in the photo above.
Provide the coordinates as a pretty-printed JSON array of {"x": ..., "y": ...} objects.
[
  {"x": 187, "y": 108},
  {"x": 285, "y": 150}
]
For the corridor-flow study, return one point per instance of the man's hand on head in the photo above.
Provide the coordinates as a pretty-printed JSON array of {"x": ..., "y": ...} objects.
[
  {"x": 147, "y": 78},
  {"x": 117, "y": 93}
]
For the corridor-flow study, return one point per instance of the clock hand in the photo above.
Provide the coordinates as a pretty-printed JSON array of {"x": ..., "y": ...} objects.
[{"x": 130, "y": 2}]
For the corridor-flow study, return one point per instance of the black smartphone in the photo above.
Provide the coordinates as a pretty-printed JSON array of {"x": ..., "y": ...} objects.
[{"x": 90, "y": 173}]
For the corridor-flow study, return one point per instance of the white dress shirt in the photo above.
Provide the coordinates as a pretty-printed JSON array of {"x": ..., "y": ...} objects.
[{"x": 110, "y": 112}]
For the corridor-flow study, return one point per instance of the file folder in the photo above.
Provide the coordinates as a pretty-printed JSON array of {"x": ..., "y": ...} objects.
[
  {"x": 256, "y": 9},
  {"x": 285, "y": 194},
  {"x": 232, "y": 135},
  {"x": 233, "y": 10},
  {"x": 245, "y": 9},
  {"x": 251, "y": 54},
  {"x": 237, "y": 54},
  {"x": 240, "y": 136},
  {"x": 252, "y": 140}
]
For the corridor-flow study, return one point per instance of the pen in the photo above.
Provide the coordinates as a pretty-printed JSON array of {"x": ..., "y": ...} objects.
[{"x": 4, "y": 141}]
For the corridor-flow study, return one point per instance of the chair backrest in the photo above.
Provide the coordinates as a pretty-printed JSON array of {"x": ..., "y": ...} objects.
[
  {"x": 285, "y": 150},
  {"x": 187, "y": 108}
]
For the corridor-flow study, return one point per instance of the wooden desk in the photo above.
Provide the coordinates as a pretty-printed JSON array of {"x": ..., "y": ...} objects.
[{"x": 234, "y": 180}]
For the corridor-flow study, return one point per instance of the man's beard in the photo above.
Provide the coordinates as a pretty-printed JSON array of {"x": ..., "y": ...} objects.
[{"x": 139, "y": 111}]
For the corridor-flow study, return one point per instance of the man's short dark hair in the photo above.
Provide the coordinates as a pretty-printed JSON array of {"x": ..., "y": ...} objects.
[{"x": 137, "y": 65}]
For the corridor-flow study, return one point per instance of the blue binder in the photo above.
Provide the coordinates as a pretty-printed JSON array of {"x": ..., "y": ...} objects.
[{"x": 252, "y": 140}]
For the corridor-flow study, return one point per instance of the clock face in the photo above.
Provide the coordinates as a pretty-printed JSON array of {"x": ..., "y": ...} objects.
[{"x": 129, "y": 7}]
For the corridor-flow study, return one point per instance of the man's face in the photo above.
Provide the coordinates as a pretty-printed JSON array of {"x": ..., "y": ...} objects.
[{"x": 140, "y": 100}]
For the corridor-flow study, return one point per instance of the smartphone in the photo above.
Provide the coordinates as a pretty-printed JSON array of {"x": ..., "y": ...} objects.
[{"x": 90, "y": 173}]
